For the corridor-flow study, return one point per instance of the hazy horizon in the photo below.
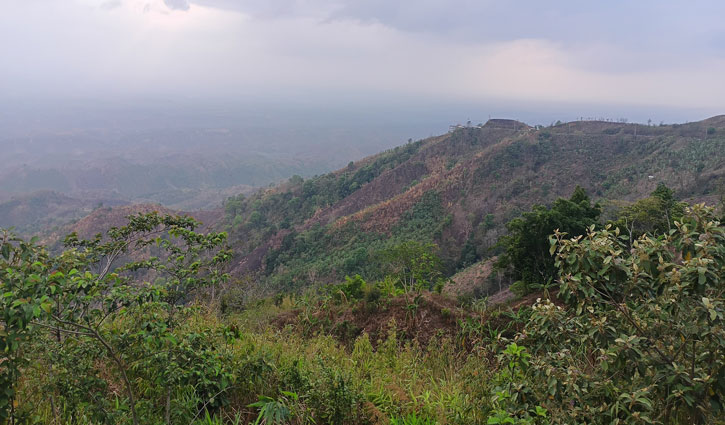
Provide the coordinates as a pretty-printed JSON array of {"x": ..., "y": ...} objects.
[{"x": 266, "y": 89}]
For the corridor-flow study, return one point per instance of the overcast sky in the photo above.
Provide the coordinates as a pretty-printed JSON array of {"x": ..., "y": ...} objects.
[{"x": 639, "y": 54}]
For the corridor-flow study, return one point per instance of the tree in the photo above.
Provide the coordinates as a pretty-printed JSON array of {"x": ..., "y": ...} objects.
[
  {"x": 414, "y": 266},
  {"x": 526, "y": 255},
  {"x": 642, "y": 339},
  {"x": 654, "y": 214},
  {"x": 24, "y": 271},
  {"x": 77, "y": 293},
  {"x": 468, "y": 254}
]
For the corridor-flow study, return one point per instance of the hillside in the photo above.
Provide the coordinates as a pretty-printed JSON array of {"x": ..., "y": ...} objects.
[
  {"x": 458, "y": 190},
  {"x": 46, "y": 210},
  {"x": 103, "y": 218}
]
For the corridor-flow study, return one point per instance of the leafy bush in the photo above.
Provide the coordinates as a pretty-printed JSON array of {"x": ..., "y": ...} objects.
[
  {"x": 520, "y": 288},
  {"x": 642, "y": 339},
  {"x": 526, "y": 252},
  {"x": 636, "y": 335}
]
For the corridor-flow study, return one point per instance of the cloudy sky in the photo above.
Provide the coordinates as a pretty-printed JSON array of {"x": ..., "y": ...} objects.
[{"x": 638, "y": 54}]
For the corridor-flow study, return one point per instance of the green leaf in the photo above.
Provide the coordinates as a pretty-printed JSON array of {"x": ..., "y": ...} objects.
[{"x": 46, "y": 307}]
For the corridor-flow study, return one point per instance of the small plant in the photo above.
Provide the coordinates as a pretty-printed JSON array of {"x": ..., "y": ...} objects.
[
  {"x": 519, "y": 288},
  {"x": 512, "y": 402},
  {"x": 446, "y": 313},
  {"x": 275, "y": 412}
]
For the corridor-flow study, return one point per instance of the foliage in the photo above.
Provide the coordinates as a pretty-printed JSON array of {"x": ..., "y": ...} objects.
[
  {"x": 24, "y": 273},
  {"x": 353, "y": 289},
  {"x": 413, "y": 265},
  {"x": 512, "y": 398},
  {"x": 76, "y": 294},
  {"x": 654, "y": 214},
  {"x": 412, "y": 419},
  {"x": 275, "y": 412},
  {"x": 300, "y": 199},
  {"x": 635, "y": 334},
  {"x": 468, "y": 254},
  {"x": 320, "y": 253},
  {"x": 526, "y": 251},
  {"x": 642, "y": 338}
]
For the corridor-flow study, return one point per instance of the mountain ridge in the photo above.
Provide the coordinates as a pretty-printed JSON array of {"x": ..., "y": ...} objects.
[{"x": 484, "y": 176}]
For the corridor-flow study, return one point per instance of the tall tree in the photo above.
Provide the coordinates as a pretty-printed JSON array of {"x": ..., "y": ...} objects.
[{"x": 526, "y": 254}]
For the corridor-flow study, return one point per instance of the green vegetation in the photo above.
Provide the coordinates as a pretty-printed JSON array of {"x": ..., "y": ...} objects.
[
  {"x": 643, "y": 324},
  {"x": 87, "y": 305},
  {"x": 654, "y": 214},
  {"x": 324, "y": 253},
  {"x": 345, "y": 313},
  {"x": 526, "y": 250},
  {"x": 634, "y": 335},
  {"x": 258, "y": 215},
  {"x": 472, "y": 182}
]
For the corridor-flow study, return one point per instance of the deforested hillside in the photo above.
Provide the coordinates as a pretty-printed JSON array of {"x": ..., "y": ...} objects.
[{"x": 458, "y": 191}]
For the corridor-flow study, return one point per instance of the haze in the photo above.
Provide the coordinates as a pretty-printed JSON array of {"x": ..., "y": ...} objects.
[{"x": 306, "y": 86}]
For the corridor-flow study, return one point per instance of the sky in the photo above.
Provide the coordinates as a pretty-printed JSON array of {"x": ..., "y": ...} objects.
[{"x": 584, "y": 57}]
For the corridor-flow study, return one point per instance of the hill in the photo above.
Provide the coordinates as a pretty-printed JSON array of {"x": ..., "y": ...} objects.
[
  {"x": 103, "y": 218},
  {"x": 458, "y": 190},
  {"x": 46, "y": 210}
]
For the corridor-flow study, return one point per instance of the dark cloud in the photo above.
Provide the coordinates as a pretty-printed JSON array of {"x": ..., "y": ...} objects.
[
  {"x": 177, "y": 4},
  {"x": 644, "y": 24}
]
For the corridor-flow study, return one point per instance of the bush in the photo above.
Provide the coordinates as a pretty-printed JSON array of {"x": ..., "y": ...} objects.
[
  {"x": 643, "y": 337},
  {"x": 353, "y": 288},
  {"x": 333, "y": 398},
  {"x": 519, "y": 288},
  {"x": 526, "y": 254}
]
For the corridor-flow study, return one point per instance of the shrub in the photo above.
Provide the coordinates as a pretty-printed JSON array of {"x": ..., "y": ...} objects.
[
  {"x": 520, "y": 288},
  {"x": 526, "y": 248},
  {"x": 643, "y": 337}
]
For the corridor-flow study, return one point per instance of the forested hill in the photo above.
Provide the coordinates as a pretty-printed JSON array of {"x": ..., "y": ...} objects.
[{"x": 458, "y": 190}]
